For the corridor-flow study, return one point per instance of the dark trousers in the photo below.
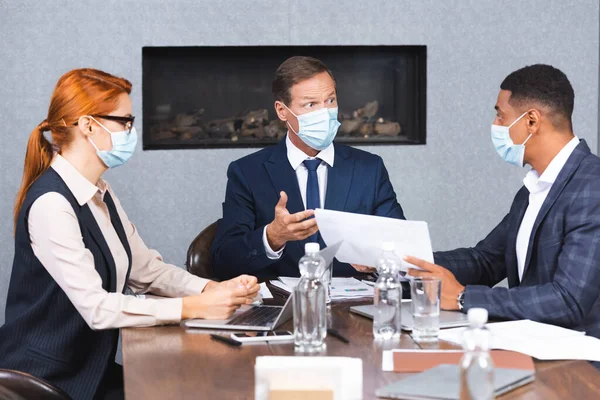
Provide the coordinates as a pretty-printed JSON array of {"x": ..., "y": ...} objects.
[{"x": 111, "y": 386}]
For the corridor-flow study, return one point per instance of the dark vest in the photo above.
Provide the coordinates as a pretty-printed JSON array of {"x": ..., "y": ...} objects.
[{"x": 44, "y": 335}]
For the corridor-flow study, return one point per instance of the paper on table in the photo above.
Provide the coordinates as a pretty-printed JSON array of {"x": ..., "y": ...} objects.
[
  {"x": 361, "y": 236},
  {"x": 516, "y": 330},
  {"x": 542, "y": 341},
  {"x": 341, "y": 288},
  {"x": 328, "y": 254}
]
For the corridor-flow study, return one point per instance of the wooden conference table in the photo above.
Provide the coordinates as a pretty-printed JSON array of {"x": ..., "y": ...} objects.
[{"x": 171, "y": 362}]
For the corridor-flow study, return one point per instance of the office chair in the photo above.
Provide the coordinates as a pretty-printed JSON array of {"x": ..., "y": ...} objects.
[
  {"x": 199, "y": 261},
  {"x": 16, "y": 385}
]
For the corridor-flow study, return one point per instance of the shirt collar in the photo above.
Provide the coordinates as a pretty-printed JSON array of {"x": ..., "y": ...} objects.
[
  {"x": 296, "y": 156},
  {"x": 82, "y": 189},
  {"x": 535, "y": 183}
]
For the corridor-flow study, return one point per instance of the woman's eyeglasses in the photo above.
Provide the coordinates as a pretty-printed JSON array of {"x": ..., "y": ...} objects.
[{"x": 127, "y": 122}]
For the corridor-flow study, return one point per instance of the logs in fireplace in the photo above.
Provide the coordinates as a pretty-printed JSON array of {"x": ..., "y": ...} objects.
[{"x": 193, "y": 127}]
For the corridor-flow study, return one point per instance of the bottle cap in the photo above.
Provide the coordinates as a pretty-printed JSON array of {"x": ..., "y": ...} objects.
[
  {"x": 311, "y": 248},
  {"x": 478, "y": 316},
  {"x": 388, "y": 246}
]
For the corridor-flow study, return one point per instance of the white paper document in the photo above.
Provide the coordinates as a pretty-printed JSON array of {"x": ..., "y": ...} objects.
[
  {"x": 361, "y": 236},
  {"x": 542, "y": 341},
  {"x": 341, "y": 288},
  {"x": 265, "y": 293},
  {"x": 329, "y": 252}
]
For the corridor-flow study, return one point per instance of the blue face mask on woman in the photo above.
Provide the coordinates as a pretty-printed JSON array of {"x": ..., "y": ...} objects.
[
  {"x": 317, "y": 128},
  {"x": 509, "y": 151},
  {"x": 123, "y": 143}
]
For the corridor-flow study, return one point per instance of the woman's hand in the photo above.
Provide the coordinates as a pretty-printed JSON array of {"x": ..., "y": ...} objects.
[{"x": 220, "y": 299}]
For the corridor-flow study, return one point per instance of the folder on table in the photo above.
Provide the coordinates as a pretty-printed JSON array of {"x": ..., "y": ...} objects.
[{"x": 410, "y": 360}]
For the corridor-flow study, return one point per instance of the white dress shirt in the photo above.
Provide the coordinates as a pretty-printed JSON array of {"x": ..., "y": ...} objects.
[
  {"x": 57, "y": 243},
  {"x": 539, "y": 187},
  {"x": 296, "y": 158}
]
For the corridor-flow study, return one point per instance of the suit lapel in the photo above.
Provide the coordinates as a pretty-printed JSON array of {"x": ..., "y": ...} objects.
[
  {"x": 512, "y": 270},
  {"x": 92, "y": 227},
  {"x": 339, "y": 179},
  {"x": 580, "y": 152},
  {"x": 283, "y": 177}
]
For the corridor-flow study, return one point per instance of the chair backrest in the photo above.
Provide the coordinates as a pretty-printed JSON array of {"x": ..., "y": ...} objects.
[
  {"x": 199, "y": 261},
  {"x": 19, "y": 385}
]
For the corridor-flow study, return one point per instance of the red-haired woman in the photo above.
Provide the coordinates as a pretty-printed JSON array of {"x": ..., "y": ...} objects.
[{"x": 76, "y": 251}]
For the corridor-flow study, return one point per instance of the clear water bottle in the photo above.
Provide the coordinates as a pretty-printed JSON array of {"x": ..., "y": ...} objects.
[
  {"x": 310, "y": 308},
  {"x": 388, "y": 296},
  {"x": 476, "y": 366}
]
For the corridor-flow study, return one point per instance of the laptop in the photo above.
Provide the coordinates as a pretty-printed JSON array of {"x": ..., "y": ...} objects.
[
  {"x": 249, "y": 318},
  {"x": 448, "y": 319}
]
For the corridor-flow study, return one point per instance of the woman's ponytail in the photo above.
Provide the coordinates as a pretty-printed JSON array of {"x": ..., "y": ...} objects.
[{"x": 37, "y": 160}]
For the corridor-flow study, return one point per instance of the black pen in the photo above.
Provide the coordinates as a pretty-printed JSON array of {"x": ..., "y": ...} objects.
[
  {"x": 225, "y": 339},
  {"x": 337, "y": 335}
]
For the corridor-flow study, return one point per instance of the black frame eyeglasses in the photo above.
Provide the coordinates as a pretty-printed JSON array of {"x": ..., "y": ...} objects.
[{"x": 126, "y": 121}]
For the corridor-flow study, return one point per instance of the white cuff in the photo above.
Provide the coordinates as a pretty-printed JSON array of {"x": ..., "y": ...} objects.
[
  {"x": 168, "y": 311},
  {"x": 271, "y": 255}
]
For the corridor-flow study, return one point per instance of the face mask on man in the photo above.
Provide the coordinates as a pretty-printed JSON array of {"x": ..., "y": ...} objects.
[
  {"x": 509, "y": 151},
  {"x": 123, "y": 143},
  {"x": 317, "y": 128}
]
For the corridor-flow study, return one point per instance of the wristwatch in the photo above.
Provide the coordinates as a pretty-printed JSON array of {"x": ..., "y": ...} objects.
[{"x": 461, "y": 300}]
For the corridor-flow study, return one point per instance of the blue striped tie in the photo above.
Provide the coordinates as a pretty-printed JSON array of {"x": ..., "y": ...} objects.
[{"x": 312, "y": 190}]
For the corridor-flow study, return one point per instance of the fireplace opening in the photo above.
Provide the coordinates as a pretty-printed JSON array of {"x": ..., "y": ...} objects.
[{"x": 211, "y": 97}]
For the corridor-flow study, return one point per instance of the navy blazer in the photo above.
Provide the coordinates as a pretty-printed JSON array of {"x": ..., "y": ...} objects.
[
  {"x": 561, "y": 278},
  {"x": 358, "y": 182}
]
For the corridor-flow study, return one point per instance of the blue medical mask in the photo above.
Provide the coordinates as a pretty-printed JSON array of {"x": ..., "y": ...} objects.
[
  {"x": 317, "y": 128},
  {"x": 123, "y": 143},
  {"x": 505, "y": 147}
]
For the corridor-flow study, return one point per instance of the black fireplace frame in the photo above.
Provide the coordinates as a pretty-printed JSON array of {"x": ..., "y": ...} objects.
[{"x": 415, "y": 57}]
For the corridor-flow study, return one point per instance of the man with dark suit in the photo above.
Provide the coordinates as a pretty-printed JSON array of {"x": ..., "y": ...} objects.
[
  {"x": 548, "y": 245},
  {"x": 271, "y": 194}
]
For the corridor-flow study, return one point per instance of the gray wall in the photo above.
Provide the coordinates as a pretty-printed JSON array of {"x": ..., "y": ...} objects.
[{"x": 456, "y": 181}]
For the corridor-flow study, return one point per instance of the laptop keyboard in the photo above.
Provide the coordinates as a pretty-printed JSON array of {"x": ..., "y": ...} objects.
[{"x": 257, "y": 316}]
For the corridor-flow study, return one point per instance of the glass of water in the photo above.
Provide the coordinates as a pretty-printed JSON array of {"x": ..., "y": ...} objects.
[{"x": 425, "y": 304}]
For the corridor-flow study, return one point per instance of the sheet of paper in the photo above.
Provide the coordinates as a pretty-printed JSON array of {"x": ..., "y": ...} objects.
[
  {"x": 281, "y": 285},
  {"x": 361, "y": 236},
  {"x": 542, "y": 341},
  {"x": 341, "y": 288},
  {"x": 329, "y": 252},
  {"x": 349, "y": 288},
  {"x": 522, "y": 330},
  {"x": 265, "y": 292}
]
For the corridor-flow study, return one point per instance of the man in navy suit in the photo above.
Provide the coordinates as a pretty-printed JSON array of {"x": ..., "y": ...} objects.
[
  {"x": 271, "y": 194},
  {"x": 548, "y": 245}
]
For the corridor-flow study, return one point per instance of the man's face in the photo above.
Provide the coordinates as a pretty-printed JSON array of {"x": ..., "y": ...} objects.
[
  {"x": 310, "y": 95},
  {"x": 506, "y": 115}
]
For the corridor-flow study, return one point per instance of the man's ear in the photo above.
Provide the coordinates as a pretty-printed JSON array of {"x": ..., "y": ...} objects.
[
  {"x": 534, "y": 119},
  {"x": 281, "y": 111}
]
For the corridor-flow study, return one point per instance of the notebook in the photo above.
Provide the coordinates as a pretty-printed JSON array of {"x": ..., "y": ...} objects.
[{"x": 443, "y": 383}]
